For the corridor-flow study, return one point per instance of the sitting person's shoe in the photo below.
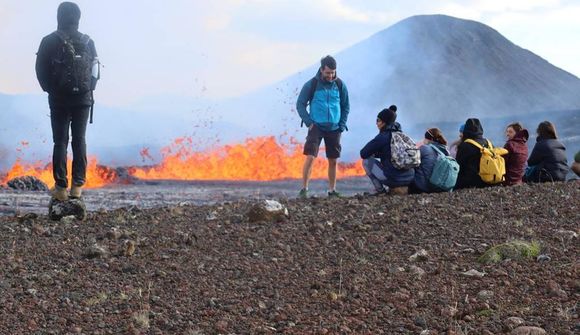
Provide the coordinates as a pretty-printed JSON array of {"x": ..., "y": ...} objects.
[
  {"x": 76, "y": 191},
  {"x": 334, "y": 194},
  {"x": 379, "y": 193},
  {"x": 403, "y": 190},
  {"x": 303, "y": 194},
  {"x": 59, "y": 193}
]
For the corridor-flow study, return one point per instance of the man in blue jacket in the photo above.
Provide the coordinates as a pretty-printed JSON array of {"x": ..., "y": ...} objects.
[{"x": 326, "y": 119}]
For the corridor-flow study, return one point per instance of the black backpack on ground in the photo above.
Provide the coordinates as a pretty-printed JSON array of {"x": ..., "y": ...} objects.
[{"x": 71, "y": 66}]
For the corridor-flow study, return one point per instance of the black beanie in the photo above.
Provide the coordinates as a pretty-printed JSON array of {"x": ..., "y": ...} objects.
[
  {"x": 388, "y": 115},
  {"x": 393, "y": 108},
  {"x": 68, "y": 15}
]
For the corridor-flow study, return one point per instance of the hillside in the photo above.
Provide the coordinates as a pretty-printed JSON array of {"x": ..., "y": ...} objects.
[{"x": 333, "y": 266}]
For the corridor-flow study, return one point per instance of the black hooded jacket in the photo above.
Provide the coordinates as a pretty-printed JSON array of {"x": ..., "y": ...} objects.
[
  {"x": 468, "y": 156},
  {"x": 68, "y": 17},
  {"x": 549, "y": 158}
]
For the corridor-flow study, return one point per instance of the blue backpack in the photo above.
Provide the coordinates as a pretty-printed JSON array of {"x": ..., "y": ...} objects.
[{"x": 445, "y": 171}]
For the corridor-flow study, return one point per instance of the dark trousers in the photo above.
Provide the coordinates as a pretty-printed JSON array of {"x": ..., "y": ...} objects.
[{"x": 61, "y": 119}]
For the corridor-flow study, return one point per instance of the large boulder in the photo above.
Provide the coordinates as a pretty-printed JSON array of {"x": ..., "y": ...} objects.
[
  {"x": 27, "y": 183},
  {"x": 73, "y": 207},
  {"x": 267, "y": 210}
]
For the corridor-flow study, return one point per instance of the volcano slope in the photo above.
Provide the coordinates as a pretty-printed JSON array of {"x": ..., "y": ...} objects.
[{"x": 334, "y": 266}]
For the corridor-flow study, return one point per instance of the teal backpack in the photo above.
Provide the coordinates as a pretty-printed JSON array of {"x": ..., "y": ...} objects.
[{"x": 445, "y": 171}]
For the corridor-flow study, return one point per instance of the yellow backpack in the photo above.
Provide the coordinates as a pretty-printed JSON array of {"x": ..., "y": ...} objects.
[{"x": 491, "y": 164}]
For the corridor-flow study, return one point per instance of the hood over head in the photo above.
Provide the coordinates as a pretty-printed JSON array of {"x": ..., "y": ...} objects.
[
  {"x": 68, "y": 16},
  {"x": 521, "y": 136},
  {"x": 472, "y": 129}
]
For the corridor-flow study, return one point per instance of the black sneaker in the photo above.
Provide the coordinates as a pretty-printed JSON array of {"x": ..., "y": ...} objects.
[{"x": 334, "y": 194}]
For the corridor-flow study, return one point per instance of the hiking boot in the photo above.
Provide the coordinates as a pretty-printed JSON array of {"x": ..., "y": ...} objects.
[
  {"x": 59, "y": 193},
  {"x": 334, "y": 194},
  {"x": 76, "y": 191},
  {"x": 303, "y": 194}
]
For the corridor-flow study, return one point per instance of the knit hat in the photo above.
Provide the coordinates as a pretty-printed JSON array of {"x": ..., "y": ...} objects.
[
  {"x": 388, "y": 115},
  {"x": 68, "y": 15},
  {"x": 393, "y": 108}
]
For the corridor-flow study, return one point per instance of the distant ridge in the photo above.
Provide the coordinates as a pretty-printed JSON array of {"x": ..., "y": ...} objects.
[{"x": 441, "y": 68}]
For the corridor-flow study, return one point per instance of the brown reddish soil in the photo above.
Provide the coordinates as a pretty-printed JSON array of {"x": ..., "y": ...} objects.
[{"x": 334, "y": 266}]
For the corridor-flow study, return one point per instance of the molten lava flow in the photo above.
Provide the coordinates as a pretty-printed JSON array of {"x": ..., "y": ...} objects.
[
  {"x": 97, "y": 175},
  {"x": 260, "y": 158}
]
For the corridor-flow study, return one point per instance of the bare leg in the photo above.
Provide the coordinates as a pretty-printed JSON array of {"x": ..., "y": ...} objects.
[
  {"x": 307, "y": 170},
  {"x": 332, "y": 174}
]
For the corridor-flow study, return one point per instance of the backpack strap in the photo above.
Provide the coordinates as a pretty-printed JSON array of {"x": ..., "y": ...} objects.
[
  {"x": 441, "y": 154},
  {"x": 475, "y": 143},
  {"x": 314, "y": 83}
]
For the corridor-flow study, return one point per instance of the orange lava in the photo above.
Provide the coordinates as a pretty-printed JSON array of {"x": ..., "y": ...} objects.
[
  {"x": 259, "y": 158},
  {"x": 97, "y": 176},
  {"x": 256, "y": 159}
]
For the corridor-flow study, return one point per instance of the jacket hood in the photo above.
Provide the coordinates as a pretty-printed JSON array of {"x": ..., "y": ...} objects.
[
  {"x": 68, "y": 16},
  {"x": 473, "y": 129},
  {"x": 521, "y": 136}
]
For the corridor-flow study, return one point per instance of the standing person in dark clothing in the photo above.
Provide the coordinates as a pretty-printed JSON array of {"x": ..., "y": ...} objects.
[
  {"x": 326, "y": 119},
  {"x": 515, "y": 160},
  {"x": 548, "y": 160},
  {"x": 468, "y": 155},
  {"x": 67, "y": 68}
]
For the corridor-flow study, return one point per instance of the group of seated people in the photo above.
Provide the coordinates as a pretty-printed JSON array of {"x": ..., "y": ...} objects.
[{"x": 547, "y": 162}]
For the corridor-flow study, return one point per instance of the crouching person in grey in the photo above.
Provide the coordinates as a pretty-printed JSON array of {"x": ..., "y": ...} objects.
[{"x": 376, "y": 156}]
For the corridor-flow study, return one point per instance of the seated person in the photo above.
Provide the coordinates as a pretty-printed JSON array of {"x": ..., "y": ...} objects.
[
  {"x": 376, "y": 156},
  {"x": 429, "y": 156},
  {"x": 576, "y": 164},
  {"x": 468, "y": 156},
  {"x": 515, "y": 160},
  {"x": 548, "y": 160}
]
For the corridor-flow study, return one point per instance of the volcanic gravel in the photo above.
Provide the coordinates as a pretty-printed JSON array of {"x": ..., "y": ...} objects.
[{"x": 334, "y": 266}]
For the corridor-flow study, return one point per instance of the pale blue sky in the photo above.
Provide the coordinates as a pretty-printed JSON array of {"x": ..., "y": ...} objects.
[{"x": 226, "y": 48}]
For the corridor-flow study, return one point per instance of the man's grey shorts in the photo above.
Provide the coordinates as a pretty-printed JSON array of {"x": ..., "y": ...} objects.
[{"x": 331, "y": 142}]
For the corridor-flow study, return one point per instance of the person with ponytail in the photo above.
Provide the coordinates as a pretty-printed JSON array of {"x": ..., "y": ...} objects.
[{"x": 429, "y": 155}]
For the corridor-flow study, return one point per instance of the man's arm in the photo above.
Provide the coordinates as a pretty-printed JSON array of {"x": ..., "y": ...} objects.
[
  {"x": 43, "y": 65},
  {"x": 302, "y": 102},
  {"x": 372, "y": 147},
  {"x": 344, "y": 108}
]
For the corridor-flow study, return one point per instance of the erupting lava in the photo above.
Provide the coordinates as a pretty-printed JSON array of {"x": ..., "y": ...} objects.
[
  {"x": 97, "y": 175},
  {"x": 258, "y": 159}
]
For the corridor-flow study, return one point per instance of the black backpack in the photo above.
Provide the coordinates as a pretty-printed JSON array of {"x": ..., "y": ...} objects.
[
  {"x": 71, "y": 66},
  {"x": 314, "y": 83}
]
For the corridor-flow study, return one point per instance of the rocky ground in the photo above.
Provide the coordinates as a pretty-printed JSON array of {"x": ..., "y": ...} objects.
[{"x": 360, "y": 264}]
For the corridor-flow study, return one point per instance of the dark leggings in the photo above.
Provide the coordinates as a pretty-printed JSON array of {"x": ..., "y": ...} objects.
[{"x": 61, "y": 119}]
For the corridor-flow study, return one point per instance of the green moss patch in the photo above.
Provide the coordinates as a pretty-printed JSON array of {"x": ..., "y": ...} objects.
[{"x": 516, "y": 250}]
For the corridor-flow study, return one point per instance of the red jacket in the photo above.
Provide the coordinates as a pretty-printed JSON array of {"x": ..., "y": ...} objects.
[{"x": 515, "y": 160}]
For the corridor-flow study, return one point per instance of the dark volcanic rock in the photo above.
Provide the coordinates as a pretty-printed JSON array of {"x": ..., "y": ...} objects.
[
  {"x": 72, "y": 207},
  {"x": 336, "y": 266},
  {"x": 27, "y": 183}
]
